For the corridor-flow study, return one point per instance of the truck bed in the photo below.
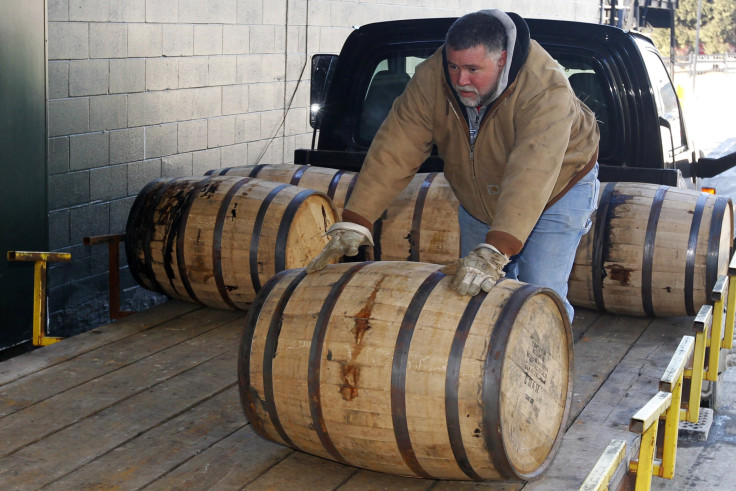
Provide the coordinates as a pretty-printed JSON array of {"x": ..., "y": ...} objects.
[{"x": 151, "y": 401}]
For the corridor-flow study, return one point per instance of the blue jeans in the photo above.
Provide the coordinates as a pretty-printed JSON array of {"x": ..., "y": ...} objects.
[{"x": 549, "y": 252}]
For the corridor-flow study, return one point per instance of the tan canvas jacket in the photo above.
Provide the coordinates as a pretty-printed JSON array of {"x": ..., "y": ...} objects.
[{"x": 535, "y": 141}]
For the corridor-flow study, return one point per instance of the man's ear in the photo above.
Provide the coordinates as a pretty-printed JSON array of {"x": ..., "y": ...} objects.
[{"x": 502, "y": 59}]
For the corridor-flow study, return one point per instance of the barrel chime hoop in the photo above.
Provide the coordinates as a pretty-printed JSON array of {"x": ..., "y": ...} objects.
[
  {"x": 282, "y": 235},
  {"x": 269, "y": 353},
  {"x": 416, "y": 221},
  {"x": 332, "y": 188},
  {"x": 256, "y": 169},
  {"x": 256, "y": 235},
  {"x": 692, "y": 246},
  {"x": 714, "y": 242},
  {"x": 377, "y": 231},
  {"x": 600, "y": 233},
  {"x": 297, "y": 176},
  {"x": 180, "y": 244},
  {"x": 492, "y": 371},
  {"x": 452, "y": 385},
  {"x": 648, "y": 253},
  {"x": 248, "y": 395},
  {"x": 145, "y": 222},
  {"x": 217, "y": 241},
  {"x": 315, "y": 361},
  {"x": 398, "y": 372},
  {"x": 351, "y": 185}
]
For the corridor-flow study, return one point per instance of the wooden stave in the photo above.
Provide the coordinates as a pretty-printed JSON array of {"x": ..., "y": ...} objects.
[
  {"x": 261, "y": 418},
  {"x": 158, "y": 245}
]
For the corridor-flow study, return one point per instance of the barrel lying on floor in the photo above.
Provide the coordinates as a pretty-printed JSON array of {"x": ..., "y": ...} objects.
[
  {"x": 382, "y": 366},
  {"x": 216, "y": 240}
]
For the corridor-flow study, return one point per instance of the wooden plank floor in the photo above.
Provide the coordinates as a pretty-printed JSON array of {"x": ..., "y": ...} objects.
[{"x": 151, "y": 402}]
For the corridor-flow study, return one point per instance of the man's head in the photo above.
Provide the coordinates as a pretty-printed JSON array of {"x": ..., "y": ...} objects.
[{"x": 476, "y": 56}]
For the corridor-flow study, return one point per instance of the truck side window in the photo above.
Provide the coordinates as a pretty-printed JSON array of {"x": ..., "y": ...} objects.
[
  {"x": 667, "y": 104},
  {"x": 388, "y": 81}
]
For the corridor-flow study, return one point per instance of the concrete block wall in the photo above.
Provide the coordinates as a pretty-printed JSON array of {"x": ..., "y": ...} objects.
[{"x": 142, "y": 89}]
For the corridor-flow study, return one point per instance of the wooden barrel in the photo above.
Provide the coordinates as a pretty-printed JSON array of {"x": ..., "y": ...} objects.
[
  {"x": 381, "y": 365},
  {"x": 337, "y": 184},
  {"x": 653, "y": 251},
  {"x": 421, "y": 223},
  {"x": 216, "y": 240}
]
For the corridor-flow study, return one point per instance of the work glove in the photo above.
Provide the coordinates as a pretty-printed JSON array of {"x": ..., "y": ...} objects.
[
  {"x": 480, "y": 269},
  {"x": 346, "y": 238}
]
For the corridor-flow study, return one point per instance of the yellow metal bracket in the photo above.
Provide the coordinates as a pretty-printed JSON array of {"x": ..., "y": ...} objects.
[
  {"x": 718, "y": 296},
  {"x": 646, "y": 423},
  {"x": 701, "y": 326},
  {"x": 600, "y": 476},
  {"x": 731, "y": 310},
  {"x": 39, "y": 289}
]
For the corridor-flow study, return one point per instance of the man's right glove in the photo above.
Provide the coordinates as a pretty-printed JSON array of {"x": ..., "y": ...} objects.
[
  {"x": 346, "y": 238},
  {"x": 480, "y": 269}
]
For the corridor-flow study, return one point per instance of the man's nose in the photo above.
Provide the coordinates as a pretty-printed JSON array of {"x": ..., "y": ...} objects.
[{"x": 463, "y": 78}]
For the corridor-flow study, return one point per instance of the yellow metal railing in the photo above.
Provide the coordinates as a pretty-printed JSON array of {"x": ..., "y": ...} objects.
[
  {"x": 696, "y": 359},
  {"x": 39, "y": 289}
]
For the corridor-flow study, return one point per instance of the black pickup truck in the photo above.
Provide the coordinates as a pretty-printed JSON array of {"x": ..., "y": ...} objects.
[{"x": 618, "y": 74}]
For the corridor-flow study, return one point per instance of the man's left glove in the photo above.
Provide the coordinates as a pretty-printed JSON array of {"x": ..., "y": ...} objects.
[
  {"x": 480, "y": 269},
  {"x": 345, "y": 238}
]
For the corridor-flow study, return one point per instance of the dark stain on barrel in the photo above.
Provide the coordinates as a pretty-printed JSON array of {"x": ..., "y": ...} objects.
[
  {"x": 350, "y": 376},
  {"x": 324, "y": 218},
  {"x": 210, "y": 189},
  {"x": 233, "y": 213},
  {"x": 412, "y": 246},
  {"x": 619, "y": 273}
]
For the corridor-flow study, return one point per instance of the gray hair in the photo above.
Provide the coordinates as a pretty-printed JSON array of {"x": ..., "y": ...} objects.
[{"x": 477, "y": 29}]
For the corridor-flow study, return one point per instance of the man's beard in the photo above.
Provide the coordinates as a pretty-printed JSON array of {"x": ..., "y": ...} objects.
[{"x": 477, "y": 100}]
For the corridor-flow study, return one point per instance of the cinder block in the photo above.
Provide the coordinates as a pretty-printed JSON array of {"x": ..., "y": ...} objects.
[
  {"x": 250, "y": 68},
  {"x": 58, "y": 155},
  {"x": 126, "y": 145},
  {"x": 193, "y": 71},
  {"x": 271, "y": 124},
  {"x": 298, "y": 12},
  {"x": 272, "y": 69},
  {"x": 192, "y": 135},
  {"x": 220, "y": 131},
  {"x": 128, "y": 11},
  {"x": 107, "y": 40},
  {"x": 160, "y": 140},
  {"x": 145, "y": 40},
  {"x": 276, "y": 12},
  {"x": 145, "y": 108},
  {"x": 234, "y": 99},
  {"x": 58, "y": 79},
  {"x": 297, "y": 66},
  {"x": 108, "y": 183},
  {"x": 265, "y": 97},
  {"x": 247, "y": 127},
  {"x": 222, "y": 70},
  {"x": 108, "y": 112},
  {"x": 297, "y": 39},
  {"x": 89, "y": 10},
  {"x": 59, "y": 230},
  {"x": 162, "y": 73},
  {"x": 89, "y": 150},
  {"x": 162, "y": 11},
  {"x": 68, "y": 116},
  {"x": 87, "y": 221},
  {"x": 297, "y": 121},
  {"x": 207, "y": 39},
  {"x": 119, "y": 211},
  {"x": 58, "y": 10},
  {"x": 179, "y": 165},
  {"x": 234, "y": 155},
  {"x": 67, "y": 190},
  {"x": 89, "y": 77},
  {"x": 235, "y": 39},
  {"x": 207, "y": 102},
  {"x": 141, "y": 173},
  {"x": 331, "y": 39},
  {"x": 178, "y": 40},
  {"x": 219, "y": 12},
  {"x": 68, "y": 41},
  {"x": 319, "y": 13},
  {"x": 250, "y": 11},
  {"x": 205, "y": 160},
  {"x": 263, "y": 39},
  {"x": 127, "y": 75}
]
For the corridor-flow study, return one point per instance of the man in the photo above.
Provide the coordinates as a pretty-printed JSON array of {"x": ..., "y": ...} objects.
[{"x": 520, "y": 153}]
